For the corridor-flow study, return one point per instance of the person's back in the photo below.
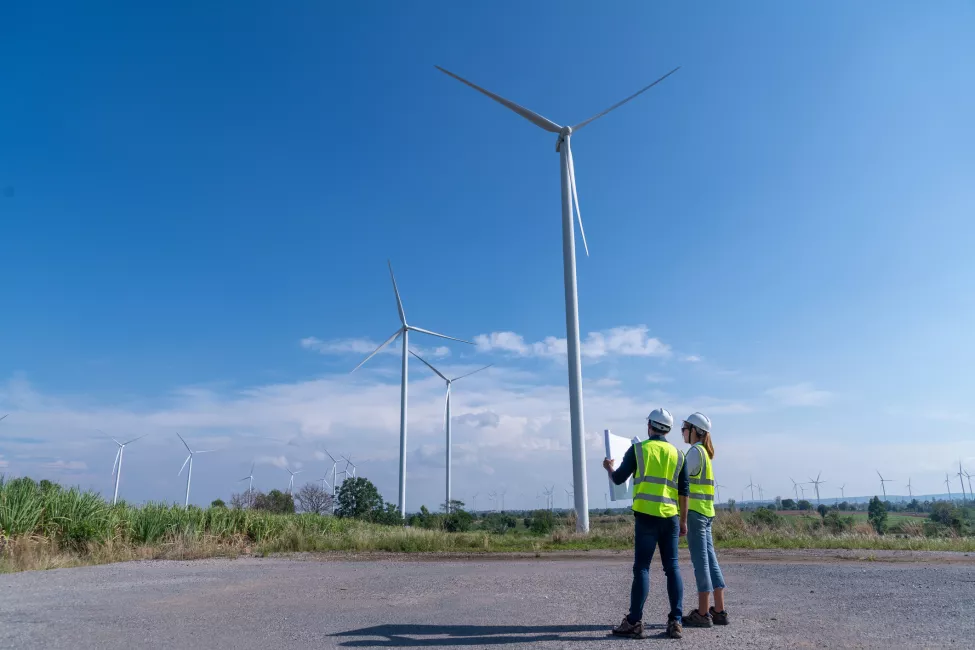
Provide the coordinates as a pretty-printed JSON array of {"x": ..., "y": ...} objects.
[{"x": 660, "y": 489}]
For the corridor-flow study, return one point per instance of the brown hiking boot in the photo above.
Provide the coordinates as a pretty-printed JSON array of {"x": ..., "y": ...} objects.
[
  {"x": 719, "y": 618},
  {"x": 630, "y": 630},
  {"x": 674, "y": 629},
  {"x": 694, "y": 619}
]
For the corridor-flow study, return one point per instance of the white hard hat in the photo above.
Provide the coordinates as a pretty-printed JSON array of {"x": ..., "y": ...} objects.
[
  {"x": 661, "y": 419},
  {"x": 700, "y": 421}
]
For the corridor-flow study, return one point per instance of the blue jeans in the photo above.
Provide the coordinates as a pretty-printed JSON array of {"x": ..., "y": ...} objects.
[
  {"x": 651, "y": 532},
  {"x": 699, "y": 542}
]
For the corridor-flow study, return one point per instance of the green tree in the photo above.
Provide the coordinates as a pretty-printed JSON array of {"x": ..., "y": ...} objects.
[
  {"x": 275, "y": 501},
  {"x": 822, "y": 510},
  {"x": 218, "y": 503},
  {"x": 788, "y": 504},
  {"x": 877, "y": 515},
  {"x": 542, "y": 522},
  {"x": 358, "y": 498},
  {"x": 387, "y": 515},
  {"x": 804, "y": 505}
]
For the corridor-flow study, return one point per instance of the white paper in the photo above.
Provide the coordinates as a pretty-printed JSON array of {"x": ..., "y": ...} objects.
[{"x": 616, "y": 448}]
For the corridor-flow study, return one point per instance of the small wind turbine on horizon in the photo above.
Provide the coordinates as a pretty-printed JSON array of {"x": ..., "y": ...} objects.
[
  {"x": 249, "y": 477},
  {"x": 348, "y": 464},
  {"x": 969, "y": 477},
  {"x": 817, "y": 482},
  {"x": 751, "y": 486},
  {"x": 795, "y": 487},
  {"x": 189, "y": 474},
  {"x": 334, "y": 465},
  {"x": 948, "y": 485},
  {"x": 910, "y": 492},
  {"x": 404, "y": 331},
  {"x": 117, "y": 466},
  {"x": 446, "y": 417},
  {"x": 842, "y": 493},
  {"x": 883, "y": 483},
  {"x": 570, "y": 200},
  {"x": 291, "y": 481},
  {"x": 961, "y": 480},
  {"x": 717, "y": 494}
]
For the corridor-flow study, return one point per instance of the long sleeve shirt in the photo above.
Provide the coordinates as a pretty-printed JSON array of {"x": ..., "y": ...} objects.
[{"x": 628, "y": 467}]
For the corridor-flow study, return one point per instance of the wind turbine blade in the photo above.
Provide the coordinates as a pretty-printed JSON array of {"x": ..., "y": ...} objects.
[
  {"x": 115, "y": 464},
  {"x": 253, "y": 465},
  {"x": 116, "y": 442},
  {"x": 618, "y": 104},
  {"x": 473, "y": 373},
  {"x": 443, "y": 336},
  {"x": 4, "y": 417},
  {"x": 329, "y": 455},
  {"x": 205, "y": 451},
  {"x": 127, "y": 442},
  {"x": 376, "y": 351},
  {"x": 439, "y": 374},
  {"x": 575, "y": 194},
  {"x": 531, "y": 116},
  {"x": 243, "y": 479},
  {"x": 446, "y": 404},
  {"x": 399, "y": 301},
  {"x": 184, "y": 464},
  {"x": 184, "y": 444}
]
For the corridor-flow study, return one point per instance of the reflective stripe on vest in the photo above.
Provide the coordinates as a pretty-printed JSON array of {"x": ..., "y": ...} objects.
[
  {"x": 701, "y": 499},
  {"x": 658, "y": 465}
]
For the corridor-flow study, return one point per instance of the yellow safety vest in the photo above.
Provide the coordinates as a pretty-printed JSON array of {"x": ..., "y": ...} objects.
[
  {"x": 701, "y": 499},
  {"x": 658, "y": 464}
]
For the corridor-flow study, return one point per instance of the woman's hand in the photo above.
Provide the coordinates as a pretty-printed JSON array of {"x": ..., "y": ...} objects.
[{"x": 608, "y": 464}]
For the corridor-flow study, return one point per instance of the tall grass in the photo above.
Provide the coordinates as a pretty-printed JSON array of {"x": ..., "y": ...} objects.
[{"x": 46, "y": 527}]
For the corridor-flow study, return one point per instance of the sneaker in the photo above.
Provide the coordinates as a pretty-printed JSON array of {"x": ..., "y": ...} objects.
[
  {"x": 719, "y": 618},
  {"x": 694, "y": 619},
  {"x": 630, "y": 630},
  {"x": 674, "y": 629}
]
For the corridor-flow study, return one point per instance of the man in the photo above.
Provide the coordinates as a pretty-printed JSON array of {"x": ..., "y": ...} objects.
[{"x": 660, "y": 490}]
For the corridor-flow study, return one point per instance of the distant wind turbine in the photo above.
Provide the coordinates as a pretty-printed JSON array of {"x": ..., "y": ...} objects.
[
  {"x": 717, "y": 493},
  {"x": 795, "y": 487},
  {"x": 817, "y": 483},
  {"x": 969, "y": 477},
  {"x": 751, "y": 486},
  {"x": 291, "y": 482},
  {"x": 948, "y": 485},
  {"x": 842, "y": 493},
  {"x": 446, "y": 417},
  {"x": 334, "y": 465},
  {"x": 404, "y": 331},
  {"x": 961, "y": 479},
  {"x": 189, "y": 474},
  {"x": 910, "y": 491},
  {"x": 348, "y": 464},
  {"x": 117, "y": 466},
  {"x": 570, "y": 198},
  {"x": 249, "y": 477},
  {"x": 883, "y": 483}
]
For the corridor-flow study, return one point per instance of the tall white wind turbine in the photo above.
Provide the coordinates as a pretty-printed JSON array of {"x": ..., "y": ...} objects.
[
  {"x": 817, "y": 483},
  {"x": 291, "y": 482},
  {"x": 117, "y": 466},
  {"x": 189, "y": 474},
  {"x": 570, "y": 199},
  {"x": 446, "y": 416},
  {"x": 883, "y": 483},
  {"x": 249, "y": 477},
  {"x": 404, "y": 331}
]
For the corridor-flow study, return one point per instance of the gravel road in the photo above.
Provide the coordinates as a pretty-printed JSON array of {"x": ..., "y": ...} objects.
[{"x": 314, "y": 602}]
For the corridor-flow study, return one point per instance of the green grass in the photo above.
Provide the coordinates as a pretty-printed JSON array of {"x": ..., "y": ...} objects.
[{"x": 55, "y": 527}]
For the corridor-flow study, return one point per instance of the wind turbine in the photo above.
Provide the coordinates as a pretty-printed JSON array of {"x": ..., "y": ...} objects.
[
  {"x": 969, "y": 477},
  {"x": 250, "y": 478},
  {"x": 334, "y": 464},
  {"x": 493, "y": 498},
  {"x": 117, "y": 466},
  {"x": 883, "y": 483},
  {"x": 795, "y": 488},
  {"x": 817, "y": 482},
  {"x": 446, "y": 417},
  {"x": 570, "y": 198},
  {"x": 842, "y": 492},
  {"x": 910, "y": 493},
  {"x": 961, "y": 479},
  {"x": 348, "y": 464},
  {"x": 474, "y": 498},
  {"x": 751, "y": 486},
  {"x": 189, "y": 474},
  {"x": 761, "y": 494},
  {"x": 717, "y": 493},
  {"x": 291, "y": 482},
  {"x": 404, "y": 331},
  {"x": 803, "y": 490},
  {"x": 948, "y": 484}
]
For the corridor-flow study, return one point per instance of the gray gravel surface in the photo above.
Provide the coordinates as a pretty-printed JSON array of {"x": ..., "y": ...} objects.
[{"x": 314, "y": 602}]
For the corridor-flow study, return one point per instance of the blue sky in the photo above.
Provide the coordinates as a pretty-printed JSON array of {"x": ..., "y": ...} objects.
[{"x": 780, "y": 236}]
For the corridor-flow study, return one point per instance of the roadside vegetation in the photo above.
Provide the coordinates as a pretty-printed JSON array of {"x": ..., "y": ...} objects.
[{"x": 43, "y": 525}]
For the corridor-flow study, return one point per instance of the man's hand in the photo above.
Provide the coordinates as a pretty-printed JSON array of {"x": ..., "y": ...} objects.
[
  {"x": 608, "y": 464},
  {"x": 683, "y": 529}
]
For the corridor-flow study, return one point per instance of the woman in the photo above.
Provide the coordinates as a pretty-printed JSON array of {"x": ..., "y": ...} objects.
[{"x": 697, "y": 432}]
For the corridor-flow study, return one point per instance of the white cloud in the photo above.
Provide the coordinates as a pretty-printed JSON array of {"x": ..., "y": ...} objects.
[
  {"x": 803, "y": 394},
  {"x": 363, "y": 347},
  {"x": 71, "y": 466},
  {"x": 692, "y": 358},
  {"x": 625, "y": 341},
  {"x": 654, "y": 378}
]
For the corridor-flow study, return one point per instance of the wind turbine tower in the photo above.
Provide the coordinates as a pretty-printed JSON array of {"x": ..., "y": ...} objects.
[
  {"x": 910, "y": 491},
  {"x": 189, "y": 474},
  {"x": 570, "y": 199},
  {"x": 117, "y": 466},
  {"x": 817, "y": 482},
  {"x": 404, "y": 331},
  {"x": 446, "y": 417},
  {"x": 961, "y": 479},
  {"x": 883, "y": 483},
  {"x": 250, "y": 477},
  {"x": 948, "y": 485},
  {"x": 291, "y": 482},
  {"x": 751, "y": 486}
]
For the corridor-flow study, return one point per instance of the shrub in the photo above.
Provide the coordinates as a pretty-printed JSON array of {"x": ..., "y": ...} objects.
[
  {"x": 766, "y": 517},
  {"x": 542, "y": 522},
  {"x": 877, "y": 515}
]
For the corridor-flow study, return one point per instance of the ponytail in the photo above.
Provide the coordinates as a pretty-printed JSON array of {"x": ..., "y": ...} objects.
[{"x": 705, "y": 440}]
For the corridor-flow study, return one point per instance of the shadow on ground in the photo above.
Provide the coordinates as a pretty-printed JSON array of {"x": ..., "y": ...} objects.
[{"x": 405, "y": 636}]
